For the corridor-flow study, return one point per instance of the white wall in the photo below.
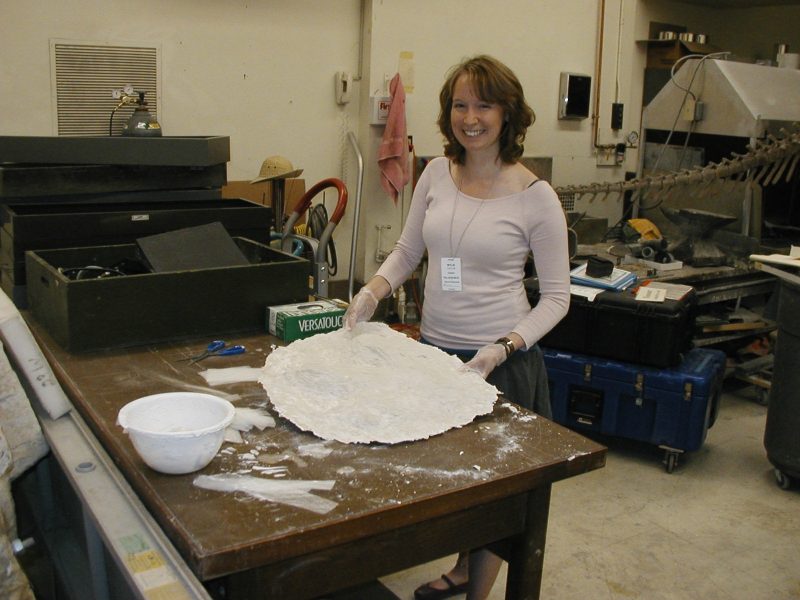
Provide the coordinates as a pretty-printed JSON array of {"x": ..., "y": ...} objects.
[{"x": 261, "y": 72}]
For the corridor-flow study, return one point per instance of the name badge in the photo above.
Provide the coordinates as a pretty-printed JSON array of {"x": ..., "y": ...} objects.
[{"x": 451, "y": 274}]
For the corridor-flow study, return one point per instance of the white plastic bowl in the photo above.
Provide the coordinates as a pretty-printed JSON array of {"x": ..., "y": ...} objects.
[{"x": 176, "y": 432}]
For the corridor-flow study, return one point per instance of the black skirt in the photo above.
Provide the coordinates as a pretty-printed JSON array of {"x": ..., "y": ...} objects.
[{"x": 522, "y": 378}]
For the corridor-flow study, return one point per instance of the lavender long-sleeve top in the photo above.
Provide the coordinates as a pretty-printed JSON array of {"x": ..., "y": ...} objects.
[{"x": 492, "y": 239}]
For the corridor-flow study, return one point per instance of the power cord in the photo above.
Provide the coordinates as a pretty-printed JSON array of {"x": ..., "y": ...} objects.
[
  {"x": 90, "y": 272},
  {"x": 688, "y": 92}
]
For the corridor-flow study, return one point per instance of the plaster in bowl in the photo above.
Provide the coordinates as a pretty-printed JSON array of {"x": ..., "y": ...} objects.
[{"x": 176, "y": 432}]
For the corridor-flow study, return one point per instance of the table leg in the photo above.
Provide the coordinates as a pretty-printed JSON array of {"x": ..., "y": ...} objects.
[{"x": 526, "y": 557}]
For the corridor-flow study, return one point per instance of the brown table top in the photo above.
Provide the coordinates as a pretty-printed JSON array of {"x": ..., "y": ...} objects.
[{"x": 378, "y": 488}]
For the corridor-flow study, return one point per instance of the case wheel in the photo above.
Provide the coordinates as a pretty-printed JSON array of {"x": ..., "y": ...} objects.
[
  {"x": 783, "y": 480},
  {"x": 670, "y": 461}
]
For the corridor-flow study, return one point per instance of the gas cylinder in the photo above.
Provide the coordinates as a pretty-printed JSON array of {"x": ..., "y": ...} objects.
[{"x": 142, "y": 123}]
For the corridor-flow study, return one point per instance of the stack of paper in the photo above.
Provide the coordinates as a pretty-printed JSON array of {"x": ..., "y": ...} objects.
[
  {"x": 672, "y": 291},
  {"x": 619, "y": 279}
]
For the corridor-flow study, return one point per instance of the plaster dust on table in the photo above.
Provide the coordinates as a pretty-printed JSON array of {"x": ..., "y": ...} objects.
[
  {"x": 230, "y": 375},
  {"x": 524, "y": 417},
  {"x": 245, "y": 419},
  {"x": 473, "y": 473},
  {"x": 317, "y": 450},
  {"x": 373, "y": 384},
  {"x": 232, "y": 436},
  {"x": 295, "y": 493}
]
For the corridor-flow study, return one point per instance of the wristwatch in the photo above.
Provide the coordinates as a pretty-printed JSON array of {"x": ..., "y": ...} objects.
[{"x": 507, "y": 344}]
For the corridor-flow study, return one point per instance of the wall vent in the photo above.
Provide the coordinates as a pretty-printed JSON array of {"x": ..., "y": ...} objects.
[{"x": 84, "y": 75}]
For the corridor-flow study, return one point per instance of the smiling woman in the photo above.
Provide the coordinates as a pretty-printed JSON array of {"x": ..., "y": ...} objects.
[
  {"x": 476, "y": 124},
  {"x": 479, "y": 213},
  {"x": 494, "y": 86}
]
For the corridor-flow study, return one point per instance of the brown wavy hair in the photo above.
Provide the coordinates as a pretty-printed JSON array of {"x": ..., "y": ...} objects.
[{"x": 493, "y": 82}]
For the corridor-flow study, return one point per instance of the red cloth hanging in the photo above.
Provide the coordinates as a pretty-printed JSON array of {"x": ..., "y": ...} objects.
[{"x": 393, "y": 150}]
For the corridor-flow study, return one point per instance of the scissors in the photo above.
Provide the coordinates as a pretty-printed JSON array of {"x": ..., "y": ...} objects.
[{"x": 217, "y": 348}]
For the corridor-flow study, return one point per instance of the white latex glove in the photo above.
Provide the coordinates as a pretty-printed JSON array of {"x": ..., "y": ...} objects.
[
  {"x": 361, "y": 308},
  {"x": 487, "y": 359}
]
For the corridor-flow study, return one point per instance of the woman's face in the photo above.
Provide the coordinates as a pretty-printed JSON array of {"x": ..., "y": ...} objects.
[{"x": 476, "y": 123}]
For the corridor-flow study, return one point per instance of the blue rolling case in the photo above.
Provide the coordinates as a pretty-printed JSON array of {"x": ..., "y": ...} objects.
[{"x": 670, "y": 408}]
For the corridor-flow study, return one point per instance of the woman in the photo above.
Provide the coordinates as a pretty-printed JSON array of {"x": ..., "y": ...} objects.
[{"x": 478, "y": 213}]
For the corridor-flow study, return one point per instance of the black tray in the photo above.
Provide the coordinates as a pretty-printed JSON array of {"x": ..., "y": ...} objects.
[
  {"x": 91, "y": 314},
  {"x": 186, "y": 151},
  {"x": 71, "y": 183}
]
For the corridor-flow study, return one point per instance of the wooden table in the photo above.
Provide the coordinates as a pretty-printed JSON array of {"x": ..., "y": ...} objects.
[{"x": 397, "y": 506}]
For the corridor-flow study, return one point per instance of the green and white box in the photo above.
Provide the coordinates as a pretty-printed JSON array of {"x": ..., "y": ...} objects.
[{"x": 296, "y": 321}]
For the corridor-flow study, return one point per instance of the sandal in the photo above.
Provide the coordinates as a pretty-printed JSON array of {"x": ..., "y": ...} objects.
[{"x": 427, "y": 592}]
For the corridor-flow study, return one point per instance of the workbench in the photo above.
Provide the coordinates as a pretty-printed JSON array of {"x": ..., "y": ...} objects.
[
  {"x": 397, "y": 506},
  {"x": 713, "y": 284}
]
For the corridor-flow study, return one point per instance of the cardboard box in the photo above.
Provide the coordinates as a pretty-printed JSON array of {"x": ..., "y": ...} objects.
[
  {"x": 255, "y": 192},
  {"x": 262, "y": 192},
  {"x": 291, "y": 322}
]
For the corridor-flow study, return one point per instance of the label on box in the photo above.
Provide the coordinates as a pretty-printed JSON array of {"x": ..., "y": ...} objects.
[
  {"x": 295, "y": 321},
  {"x": 651, "y": 294}
]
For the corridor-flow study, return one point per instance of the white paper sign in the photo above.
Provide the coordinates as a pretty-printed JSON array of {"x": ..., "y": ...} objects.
[{"x": 651, "y": 294}]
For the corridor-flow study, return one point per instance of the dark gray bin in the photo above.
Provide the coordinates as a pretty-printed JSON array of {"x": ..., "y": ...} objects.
[
  {"x": 92, "y": 314},
  {"x": 185, "y": 151},
  {"x": 35, "y": 226},
  {"x": 782, "y": 431}
]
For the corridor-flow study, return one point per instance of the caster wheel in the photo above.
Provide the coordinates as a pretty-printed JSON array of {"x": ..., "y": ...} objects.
[
  {"x": 783, "y": 480},
  {"x": 670, "y": 462}
]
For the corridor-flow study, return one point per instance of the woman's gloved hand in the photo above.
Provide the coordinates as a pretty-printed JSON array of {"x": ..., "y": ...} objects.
[
  {"x": 487, "y": 359},
  {"x": 361, "y": 308}
]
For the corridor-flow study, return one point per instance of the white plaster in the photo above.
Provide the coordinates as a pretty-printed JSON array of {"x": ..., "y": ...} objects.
[{"x": 373, "y": 384}]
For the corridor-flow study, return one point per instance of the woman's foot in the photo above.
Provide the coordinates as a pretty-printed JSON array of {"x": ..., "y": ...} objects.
[{"x": 444, "y": 587}]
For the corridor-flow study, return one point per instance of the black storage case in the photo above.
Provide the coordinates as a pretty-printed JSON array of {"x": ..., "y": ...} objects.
[
  {"x": 37, "y": 226},
  {"x": 615, "y": 325},
  {"x": 92, "y": 314},
  {"x": 58, "y": 168},
  {"x": 72, "y": 183},
  {"x": 185, "y": 151}
]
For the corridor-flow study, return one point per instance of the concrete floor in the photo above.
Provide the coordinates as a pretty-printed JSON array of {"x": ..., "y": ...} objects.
[{"x": 718, "y": 527}]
